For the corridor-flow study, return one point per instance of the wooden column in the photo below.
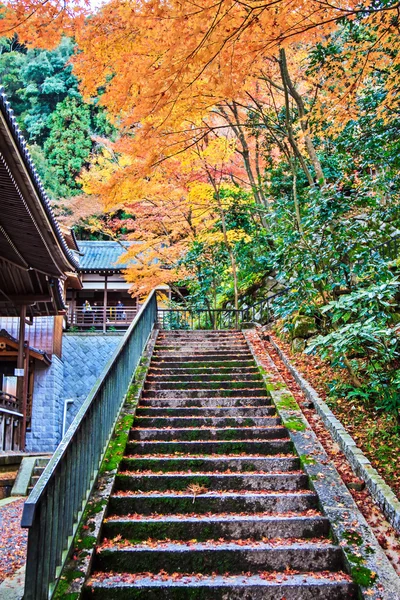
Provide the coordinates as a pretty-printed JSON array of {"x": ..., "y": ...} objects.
[
  {"x": 25, "y": 397},
  {"x": 21, "y": 366},
  {"x": 73, "y": 308},
  {"x": 105, "y": 304}
]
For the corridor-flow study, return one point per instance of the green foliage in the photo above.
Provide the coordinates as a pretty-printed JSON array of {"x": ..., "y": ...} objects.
[
  {"x": 56, "y": 122},
  {"x": 362, "y": 340},
  {"x": 68, "y": 145}
]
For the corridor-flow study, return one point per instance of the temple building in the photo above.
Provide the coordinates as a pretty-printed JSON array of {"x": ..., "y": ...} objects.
[
  {"x": 101, "y": 299},
  {"x": 36, "y": 264}
]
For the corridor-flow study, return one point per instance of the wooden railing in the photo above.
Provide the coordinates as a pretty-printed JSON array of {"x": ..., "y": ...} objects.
[
  {"x": 10, "y": 422},
  {"x": 54, "y": 509},
  {"x": 98, "y": 318}
]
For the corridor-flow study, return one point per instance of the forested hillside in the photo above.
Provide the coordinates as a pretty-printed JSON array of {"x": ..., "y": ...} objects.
[{"x": 237, "y": 143}]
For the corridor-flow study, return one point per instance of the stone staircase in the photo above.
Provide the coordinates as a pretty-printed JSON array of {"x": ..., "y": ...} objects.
[
  {"x": 37, "y": 470},
  {"x": 210, "y": 501}
]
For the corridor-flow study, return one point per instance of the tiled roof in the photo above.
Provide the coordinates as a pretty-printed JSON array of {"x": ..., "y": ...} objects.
[
  {"x": 102, "y": 255},
  {"x": 20, "y": 142}
]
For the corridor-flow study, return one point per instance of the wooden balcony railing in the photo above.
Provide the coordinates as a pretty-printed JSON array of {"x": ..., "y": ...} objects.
[
  {"x": 100, "y": 318},
  {"x": 10, "y": 422}
]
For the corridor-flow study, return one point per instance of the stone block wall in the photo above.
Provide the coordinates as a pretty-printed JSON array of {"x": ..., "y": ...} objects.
[
  {"x": 84, "y": 357},
  {"x": 47, "y": 411}
]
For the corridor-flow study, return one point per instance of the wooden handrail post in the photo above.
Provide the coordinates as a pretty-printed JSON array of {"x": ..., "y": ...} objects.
[{"x": 105, "y": 304}]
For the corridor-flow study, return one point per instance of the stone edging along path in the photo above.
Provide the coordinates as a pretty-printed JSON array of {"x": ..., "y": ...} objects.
[
  {"x": 366, "y": 559},
  {"x": 380, "y": 491}
]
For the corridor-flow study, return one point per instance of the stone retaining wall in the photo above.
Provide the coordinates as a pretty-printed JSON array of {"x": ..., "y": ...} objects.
[
  {"x": 83, "y": 359},
  {"x": 84, "y": 356}
]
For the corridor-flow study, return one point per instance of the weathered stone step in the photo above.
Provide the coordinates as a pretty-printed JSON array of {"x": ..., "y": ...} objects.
[
  {"x": 197, "y": 345},
  {"x": 225, "y": 384},
  {"x": 264, "y": 447},
  {"x": 187, "y": 363},
  {"x": 204, "y": 349},
  {"x": 174, "y": 422},
  {"x": 275, "y": 481},
  {"x": 200, "y": 356},
  {"x": 212, "y": 433},
  {"x": 205, "y": 393},
  {"x": 203, "y": 357},
  {"x": 238, "y": 464},
  {"x": 204, "y": 411},
  {"x": 242, "y": 587},
  {"x": 34, "y": 480},
  {"x": 171, "y": 377},
  {"x": 206, "y": 528},
  {"x": 206, "y": 401},
  {"x": 164, "y": 371},
  {"x": 200, "y": 334},
  {"x": 233, "y": 502},
  {"x": 229, "y": 557}
]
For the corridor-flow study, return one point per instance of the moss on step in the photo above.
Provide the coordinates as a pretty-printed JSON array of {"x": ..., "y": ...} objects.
[
  {"x": 286, "y": 402},
  {"x": 352, "y": 537},
  {"x": 361, "y": 575},
  {"x": 306, "y": 460},
  {"x": 117, "y": 445},
  {"x": 294, "y": 423}
]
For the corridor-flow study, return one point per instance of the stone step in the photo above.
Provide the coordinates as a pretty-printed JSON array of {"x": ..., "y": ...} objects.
[
  {"x": 203, "y": 411},
  {"x": 196, "y": 345},
  {"x": 201, "y": 348},
  {"x": 211, "y": 502},
  {"x": 236, "y": 464},
  {"x": 171, "y": 377},
  {"x": 235, "y": 384},
  {"x": 243, "y": 587},
  {"x": 188, "y": 363},
  {"x": 203, "y": 528},
  {"x": 200, "y": 333},
  {"x": 164, "y": 371},
  {"x": 201, "y": 356},
  {"x": 193, "y": 422},
  {"x": 181, "y": 482},
  {"x": 263, "y": 447},
  {"x": 205, "y": 393},
  {"x": 212, "y": 433},
  {"x": 207, "y": 402},
  {"x": 226, "y": 557},
  {"x": 38, "y": 470}
]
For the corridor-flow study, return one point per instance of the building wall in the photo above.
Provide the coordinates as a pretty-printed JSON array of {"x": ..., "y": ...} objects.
[
  {"x": 84, "y": 355},
  {"x": 47, "y": 410}
]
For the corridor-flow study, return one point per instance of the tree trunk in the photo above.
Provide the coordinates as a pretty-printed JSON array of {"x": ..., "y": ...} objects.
[{"x": 288, "y": 84}]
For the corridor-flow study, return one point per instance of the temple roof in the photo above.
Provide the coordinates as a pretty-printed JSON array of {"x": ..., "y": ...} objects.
[
  {"x": 102, "y": 256},
  {"x": 34, "y": 255},
  {"x": 34, "y": 352}
]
